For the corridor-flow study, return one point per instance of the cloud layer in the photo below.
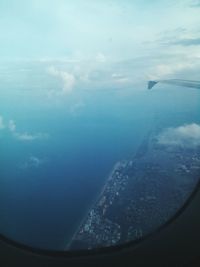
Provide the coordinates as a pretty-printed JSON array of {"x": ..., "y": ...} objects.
[
  {"x": 68, "y": 80},
  {"x": 2, "y": 126},
  {"x": 32, "y": 162},
  {"x": 185, "y": 136},
  {"x": 24, "y": 136},
  {"x": 30, "y": 137},
  {"x": 111, "y": 44}
]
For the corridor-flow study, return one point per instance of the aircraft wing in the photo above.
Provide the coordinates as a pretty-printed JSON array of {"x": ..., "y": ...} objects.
[{"x": 178, "y": 82}]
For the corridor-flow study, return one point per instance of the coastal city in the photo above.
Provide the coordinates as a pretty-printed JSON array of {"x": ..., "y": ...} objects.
[{"x": 140, "y": 195}]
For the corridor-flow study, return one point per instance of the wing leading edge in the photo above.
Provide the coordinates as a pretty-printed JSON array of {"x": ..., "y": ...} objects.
[{"x": 178, "y": 82}]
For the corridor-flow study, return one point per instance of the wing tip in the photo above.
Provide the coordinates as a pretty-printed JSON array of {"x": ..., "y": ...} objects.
[{"x": 151, "y": 84}]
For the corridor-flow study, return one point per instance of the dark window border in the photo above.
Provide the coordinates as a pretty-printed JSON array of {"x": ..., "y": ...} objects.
[{"x": 103, "y": 250}]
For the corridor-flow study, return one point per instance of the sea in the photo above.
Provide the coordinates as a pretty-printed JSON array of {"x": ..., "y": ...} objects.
[{"x": 57, "y": 157}]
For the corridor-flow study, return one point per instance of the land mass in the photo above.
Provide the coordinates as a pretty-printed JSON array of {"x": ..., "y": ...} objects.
[{"x": 139, "y": 195}]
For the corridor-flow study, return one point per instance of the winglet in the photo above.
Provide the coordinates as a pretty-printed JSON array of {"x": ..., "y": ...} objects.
[{"x": 151, "y": 84}]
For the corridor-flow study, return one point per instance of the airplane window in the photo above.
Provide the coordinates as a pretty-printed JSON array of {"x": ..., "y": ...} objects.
[{"x": 89, "y": 157}]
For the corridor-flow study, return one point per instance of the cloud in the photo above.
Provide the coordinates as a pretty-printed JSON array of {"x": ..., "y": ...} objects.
[
  {"x": 187, "y": 135},
  {"x": 12, "y": 126},
  {"x": 32, "y": 162},
  {"x": 195, "y": 3},
  {"x": 26, "y": 137},
  {"x": 68, "y": 79},
  {"x": 120, "y": 78},
  {"x": 169, "y": 69},
  {"x": 155, "y": 49},
  {"x": 2, "y": 125},
  {"x": 77, "y": 107},
  {"x": 30, "y": 137},
  {"x": 186, "y": 42},
  {"x": 101, "y": 58}
]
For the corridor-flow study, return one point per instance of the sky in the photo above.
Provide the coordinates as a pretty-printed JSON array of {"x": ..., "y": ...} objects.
[
  {"x": 85, "y": 28},
  {"x": 137, "y": 39},
  {"x": 52, "y": 51}
]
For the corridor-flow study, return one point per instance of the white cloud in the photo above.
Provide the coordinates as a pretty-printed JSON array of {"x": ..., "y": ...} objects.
[
  {"x": 32, "y": 162},
  {"x": 11, "y": 126},
  {"x": 77, "y": 107},
  {"x": 2, "y": 125},
  {"x": 26, "y": 137},
  {"x": 168, "y": 69},
  {"x": 67, "y": 79},
  {"x": 171, "y": 68},
  {"x": 101, "y": 58},
  {"x": 30, "y": 137},
  {"x": 187, "y": 135},
  {"x": 119, "y": 78}
]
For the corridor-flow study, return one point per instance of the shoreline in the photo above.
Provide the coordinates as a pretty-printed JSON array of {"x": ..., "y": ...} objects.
[
  {"x": 116, "y": 165},
  {"x": 109, "y": 177}
]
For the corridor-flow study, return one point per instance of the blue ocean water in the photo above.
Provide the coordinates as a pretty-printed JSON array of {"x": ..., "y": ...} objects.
[{"x": 42, "y": 204}]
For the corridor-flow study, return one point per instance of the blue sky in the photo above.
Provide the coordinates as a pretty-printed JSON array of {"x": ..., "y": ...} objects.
[
  {"x": 75, "y": 29},
  {"x": 51, "y": 51},
  {"x": 98, "y": 44}
]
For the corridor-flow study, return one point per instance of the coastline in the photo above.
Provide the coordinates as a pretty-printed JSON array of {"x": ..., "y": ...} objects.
[
  {"x": 116, "y": 165},
  {"x": 109, "y": 177}
]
